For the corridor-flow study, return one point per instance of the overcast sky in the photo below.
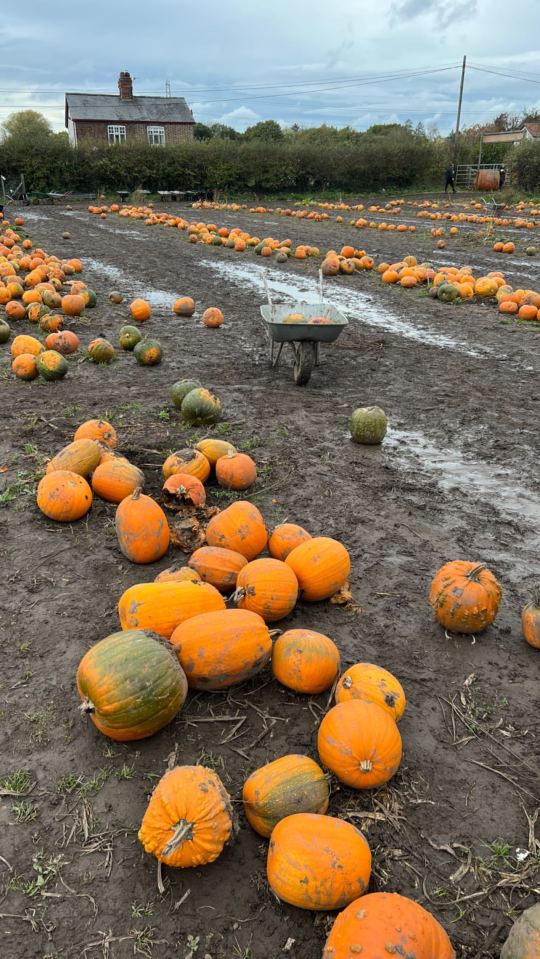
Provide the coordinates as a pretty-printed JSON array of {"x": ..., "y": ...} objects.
[{"x": 295, "y": 61}]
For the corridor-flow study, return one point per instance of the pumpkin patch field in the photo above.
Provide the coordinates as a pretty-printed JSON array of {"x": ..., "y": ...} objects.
[{"x": 269, "y": 660}]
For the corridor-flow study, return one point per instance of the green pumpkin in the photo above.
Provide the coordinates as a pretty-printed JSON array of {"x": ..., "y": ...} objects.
[
  {"x": 200, "y": 406},
  {"x": 148, "y": 353},
  {"x": 101, "y": 351},
  {"x": 128, "y": 337},
  {"x": 259, "y": 248},
  {"x": 230, "y": 242},
  {"x": 447, "y": 292},
  {"x": 36, "y": 311},
  {"x": 131, "y": 684},
  {"x": 216, "y": 240},
  {"x": 368, "y": 425},
  {"x": 51, "y": 365},
  {"x": 531, "y": 251},
  {"x": 5, "y": 331},
  {"x": 281, "y": 257},
  {"x": 90, "y": 298},
  {"x": 181, "y": 390}
]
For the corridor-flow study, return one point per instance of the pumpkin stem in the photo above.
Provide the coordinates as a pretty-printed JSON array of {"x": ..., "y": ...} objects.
[
  {"x": 475, "y": 571},
  {"x": 366, "y": 766},
  {"x": 136, "y": 493},
  {"x": 182, "y": 831},
  {"x": 347, "y": 682},
  {"x": 87, "y": 707}
]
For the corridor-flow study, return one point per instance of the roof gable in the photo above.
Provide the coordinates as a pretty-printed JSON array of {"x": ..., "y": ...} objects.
[
  {"x": 100, "y": 106},
  {"x": 533, "y": 128}
]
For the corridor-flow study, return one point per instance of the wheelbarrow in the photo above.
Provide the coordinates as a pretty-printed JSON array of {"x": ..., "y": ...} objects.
[{"x": 303, "y": 337}]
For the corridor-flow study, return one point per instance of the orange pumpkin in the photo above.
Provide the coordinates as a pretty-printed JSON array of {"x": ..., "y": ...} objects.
[
  {"x": 213, "y": 449},
  {"x": 26, "y": 344},
  {"x": 360, "y": 742},
  {"x": 385, "y": 923},
  {"x": 183, "y": 488},
  {"x": 318, "y": 862},
  {"x": 81, "y": 456},
  {"x": 240, "y": 527},
  {"x": 15, "y": 310},
  {"x": 236, "y": 471},
  {"x": 24, "y": 366},
  {"x": 285, "y": 538},
  {"x": 218, "y": 566},
  {"x": 220, "y": 649},
  {"x": 73, "y": 304},
  {"x": 321, "y": 566},
  {"x": 212, "y": 317},
  {"x": 161, "y": 607},
  {"x": 527, "y": 312},
  {"x": 288, "y": 785},
  {"x": 530, "y": 622},
  {"x": 305, "y": 661},
  {"x": 98, "y": 430},
  {"x": 140, "y": 311},
  {"x": 64, "y": 496},
  {"x": 375, "y": 685},
  {"x": 465, "y": 597},
  {"x": 64, "y": 342},
  {"x": 116, "y": 478},
  {"x": 267, "y": 587},
  {"x": 184, "y": 306},
  {"x": 188, "y": 820},
  {"x": 189, "y": 461},
  {"x": 141, "y": 528},
  {"x": 177, "y": 574}
]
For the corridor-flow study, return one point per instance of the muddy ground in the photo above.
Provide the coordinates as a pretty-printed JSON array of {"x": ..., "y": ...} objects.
[{"x": 457, "y": 477}]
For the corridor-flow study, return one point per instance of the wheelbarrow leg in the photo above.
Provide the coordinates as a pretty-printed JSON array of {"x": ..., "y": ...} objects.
[{"x": 276, "y": 360}]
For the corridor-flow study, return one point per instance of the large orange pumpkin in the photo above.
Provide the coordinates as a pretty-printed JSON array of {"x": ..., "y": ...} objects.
[
  {"x": 73, "y": 304},
  {"x": 26, "y": 344},
  {"x": 189, "y": 818},
  {"x": 240, "y": 527},
  {"x": 285, "y": 538},
  {"x": 98, "y": 430},
  {"x": 285, "y": 786},
  {"x": 184, "y": 306},
  {"x": 189, "y": 461},
  {"x": 373, "y": 684},
  {"x": 318, "y": 862},
  {"x": 218, "y": 566},
  {"x": 223, "y": 648},
  {"x": 141, "y": 528},
  {"x": 530, "y": 622},
  {"x": 64, "y": 342},
  {"x": 140, "y": 311},
  {"x": 465, "y": 597},
  {"x": 161, "y": 607},
  {"x": 385, "y": 923},
  {"x": 64, "y": 496},
  {"x": 305, "y": 661},
  {"x": 116, "y": 478},
  {"x": 267, "y": 587},
  {"x": 360, "y": 742},
  {"x": 130, "y": 684},
  {"x": 212, "y": 317},
  {"x": 321, "y": 565},
  {"x": 236, "y": 471},
  {"x": 81, "y": 456},
  {"x": 24, "y": 366}
]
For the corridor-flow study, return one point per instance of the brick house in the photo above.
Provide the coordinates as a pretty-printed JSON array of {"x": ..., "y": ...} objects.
[{"x": 107, "y": 118}]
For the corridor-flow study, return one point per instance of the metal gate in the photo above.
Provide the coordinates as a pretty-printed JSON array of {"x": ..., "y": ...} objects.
[{"x": 466, "y": 173}]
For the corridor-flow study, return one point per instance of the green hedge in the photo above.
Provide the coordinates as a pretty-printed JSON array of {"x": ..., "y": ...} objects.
[
  {"x": 376, "y": 162},
  {"x": 525, "y": 166}
]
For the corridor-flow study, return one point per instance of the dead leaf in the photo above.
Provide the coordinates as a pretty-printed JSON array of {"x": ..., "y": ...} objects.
[
  {"x": 344, "y": 597},
  {"x": 4, "y": 468}
]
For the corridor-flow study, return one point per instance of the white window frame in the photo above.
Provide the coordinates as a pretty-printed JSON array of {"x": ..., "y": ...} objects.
[
  {"x": 116, "y": 133},
  {"x": 156, "y": 136}
]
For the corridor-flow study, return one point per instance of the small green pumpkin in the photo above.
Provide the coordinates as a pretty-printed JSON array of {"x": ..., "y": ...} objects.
[
  {"x": 90, "y": 298},
  {"x": 5, "y": 331},
  {"x": 131, "y": 684},
  {"x": 100, "y": 350},
  {"x": 148, "y": 353},
  {"x": 128, "y": 337},
  {"x": 368, "y": 425},
  {"x": 51, "y": 365},
  {"x": 200, "y": 406},
  {"x": 531, "y": 251},
  {"x": 181, "y": 389},
  {"x": 447, "y": 293}
]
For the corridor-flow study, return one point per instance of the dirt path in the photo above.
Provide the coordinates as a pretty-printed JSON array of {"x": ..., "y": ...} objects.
[{"x": 457, "y": 477}]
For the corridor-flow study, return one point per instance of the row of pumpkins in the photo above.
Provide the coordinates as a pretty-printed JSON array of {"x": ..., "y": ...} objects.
[{"x": 176, "y": 633}]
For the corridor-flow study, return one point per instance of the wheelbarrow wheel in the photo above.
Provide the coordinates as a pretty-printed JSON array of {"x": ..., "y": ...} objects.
[{"x": 305, "y": 358}]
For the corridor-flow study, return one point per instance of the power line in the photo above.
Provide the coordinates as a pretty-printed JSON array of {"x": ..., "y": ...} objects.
[{"x": 497, "y": 73}]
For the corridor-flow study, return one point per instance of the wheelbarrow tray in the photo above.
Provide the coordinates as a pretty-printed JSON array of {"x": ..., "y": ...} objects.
[{"x": 281, "y": 332}]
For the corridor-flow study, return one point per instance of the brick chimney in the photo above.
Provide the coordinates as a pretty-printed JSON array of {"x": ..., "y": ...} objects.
[{"x": 125, "y": 85}]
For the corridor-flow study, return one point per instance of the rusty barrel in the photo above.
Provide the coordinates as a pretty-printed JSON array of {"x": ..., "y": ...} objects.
[{"x": 488, "y": 180}]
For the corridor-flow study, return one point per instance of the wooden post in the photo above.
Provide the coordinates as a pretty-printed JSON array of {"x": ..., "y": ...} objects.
[{"x": 458, "y": 119}]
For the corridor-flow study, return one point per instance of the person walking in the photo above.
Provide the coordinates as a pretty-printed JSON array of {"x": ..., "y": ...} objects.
[
  {"x": 450, "y": 178},
  {"x": 502, "y": 177}
]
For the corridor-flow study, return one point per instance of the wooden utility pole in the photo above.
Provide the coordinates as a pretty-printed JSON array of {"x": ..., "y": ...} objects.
[{"x": 460, "y": 101}]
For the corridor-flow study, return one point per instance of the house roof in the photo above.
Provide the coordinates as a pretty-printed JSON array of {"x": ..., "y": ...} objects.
[
  {"x": 100, "y": 106},
  {"x": 533, "y": 128}
]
